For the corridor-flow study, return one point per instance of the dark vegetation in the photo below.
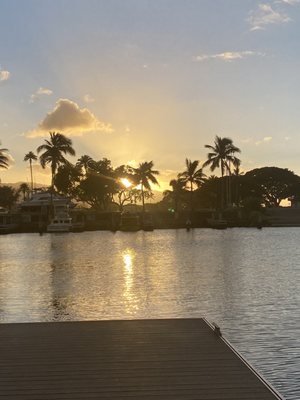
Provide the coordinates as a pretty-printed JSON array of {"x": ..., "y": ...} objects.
[{"x": 102, "y": 187}]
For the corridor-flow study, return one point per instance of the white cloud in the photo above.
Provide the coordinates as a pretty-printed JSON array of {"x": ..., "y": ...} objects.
[
  {"x": 88, "y": 98},
  {"x": 40, "y": 92},
  {"x": 4, "y": 75},
  {"x": 265, "y": 15},
  {"x": 68, "y": 118},
  {"x": 266, "y": 139},
  {"x": 229, "y": 56},
  {"x": 289, "y": 2}
]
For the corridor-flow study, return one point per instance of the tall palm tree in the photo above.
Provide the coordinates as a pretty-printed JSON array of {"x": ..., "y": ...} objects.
[
  {"x": 144, "y": 174},
  {"x": 30, "y": 157},
  {"x": 4, "y": 160},
  {"x": 191, "y": 177},
  {"x": 54, "y": 150},
  {"x": 221, "y": 156}
]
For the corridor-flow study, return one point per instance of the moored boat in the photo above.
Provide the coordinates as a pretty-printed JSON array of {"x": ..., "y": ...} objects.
[{"x": 60, "y": 224}]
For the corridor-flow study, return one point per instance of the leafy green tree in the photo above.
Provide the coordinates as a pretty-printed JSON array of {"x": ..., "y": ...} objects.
[
  {"x": 222, "y": 156},
  {"x": 30, "y": 157},
  {"x": 25, "y": 190},
  {"x": 53, "y": 153},
  {"x": 191, "y": 177},
  {"x": 8, "y": 196},
  {"x": 144, "y": 175}
]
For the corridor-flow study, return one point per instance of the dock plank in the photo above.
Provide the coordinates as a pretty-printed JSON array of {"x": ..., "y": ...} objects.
[{"x": 139, "y": 359}]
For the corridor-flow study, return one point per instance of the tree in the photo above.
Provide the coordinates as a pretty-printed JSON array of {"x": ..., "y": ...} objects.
[
  {"x": 269, "y": 184},
  {"x": 8, "y": 196},
  {"x": 145, "y": 175},
  {"x": 191, "y": 177},
  {"x": 4, "y": 160},
  {"x": 126, "y": 181},
  {"x": 54, "y": 150},
  {"x": 222, "y": 156},
  {"x": 25, "y": 190},
  {"x": 30, "y": 157},
  {"x": 176, "y": 194},
  {"x": 67, "y": 179},
  {"x": 99, "y": 185},
  {"x": 85, "y": 162}
]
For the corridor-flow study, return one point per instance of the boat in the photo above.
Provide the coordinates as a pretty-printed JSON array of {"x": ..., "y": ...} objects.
[
  {"x": 60, "y": 224},
  {"x": 130, "y": 223}
]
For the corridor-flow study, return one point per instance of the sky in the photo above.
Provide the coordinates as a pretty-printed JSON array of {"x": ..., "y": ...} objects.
[{"x": 142, "y": 80}]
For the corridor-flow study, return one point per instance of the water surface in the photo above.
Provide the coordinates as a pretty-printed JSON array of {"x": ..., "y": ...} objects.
[{"x": 246, "y": 280}]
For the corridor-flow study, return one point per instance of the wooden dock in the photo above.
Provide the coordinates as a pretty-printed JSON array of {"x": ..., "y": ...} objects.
[{"x": 178, "y": 359}]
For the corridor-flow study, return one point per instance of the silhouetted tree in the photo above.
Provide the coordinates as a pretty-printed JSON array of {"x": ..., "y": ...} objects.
[
  {"x": 221, "y": 156},
  {"x": 8, "y": 196},
  {"x": 144, "y": 174},
  {"x": 30, "y": 157},
  {"x": 53, "y": 152},
  {"x": 4, "y": 160},
  {"x": 269, "y": 184},
  {"x": 191, "y": 177},
  {"x": 84, "y": 162},
  {"x": 176, "y": 194},
  {"x": 67, "y": 178},
  {"x": 25, "y": 190}
]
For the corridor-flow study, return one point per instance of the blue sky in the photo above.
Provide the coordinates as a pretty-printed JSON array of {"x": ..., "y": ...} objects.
[{"x": 137, "y": 80}]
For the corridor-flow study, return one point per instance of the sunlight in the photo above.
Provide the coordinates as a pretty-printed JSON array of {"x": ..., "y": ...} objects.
[
  {"x": 126, "y": 183},
  {"x": 130, "y": 299},
  {"x": 127, "y": 259}
]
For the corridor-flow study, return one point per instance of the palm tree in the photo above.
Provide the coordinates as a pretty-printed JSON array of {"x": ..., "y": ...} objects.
[
  {"x": 84, "y": 162},
  {"x": 192, "y": 176},
  {"x": 144, "y": 174},
  {"x": 30, "y": 157},
  {"x": 4, "y": 160},
  {"x": 221, "y": 156},
  {"x": 24, "y": 189},
  {"x": 54, "y": 150}
]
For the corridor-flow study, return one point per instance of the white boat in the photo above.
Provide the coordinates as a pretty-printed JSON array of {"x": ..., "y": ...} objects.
[{"x": 60, "y": 224}]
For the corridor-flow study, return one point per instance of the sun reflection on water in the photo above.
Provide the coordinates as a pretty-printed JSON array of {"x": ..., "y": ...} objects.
[{"x": 130, "y": 298}]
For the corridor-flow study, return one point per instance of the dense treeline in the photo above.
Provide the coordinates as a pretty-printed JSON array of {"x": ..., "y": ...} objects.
[{"x": 96, "y": 183}]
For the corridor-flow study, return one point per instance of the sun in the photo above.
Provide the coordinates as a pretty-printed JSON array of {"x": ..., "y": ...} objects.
[{"x": 126, "y": 182}]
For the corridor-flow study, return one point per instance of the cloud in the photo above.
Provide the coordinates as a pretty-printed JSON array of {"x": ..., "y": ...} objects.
[
  {"x": 87, "y": 98},
  {"x": 289, "y": 2},
  {"x": 266, "y": 14},
  {"x": 4, "y": 75},
  {"x": 68, "y": 118},
  {"x": 40, "y": 92},
  {"x": 266, "y": 139},
  {"x": 229, "y": 56}
]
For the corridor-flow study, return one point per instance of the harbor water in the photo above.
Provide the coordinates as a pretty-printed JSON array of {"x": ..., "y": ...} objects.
[{"x": 245, "y": 280}]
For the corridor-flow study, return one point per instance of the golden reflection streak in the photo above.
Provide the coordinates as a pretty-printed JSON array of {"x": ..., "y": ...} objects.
[{"x": 129, "y": 296}]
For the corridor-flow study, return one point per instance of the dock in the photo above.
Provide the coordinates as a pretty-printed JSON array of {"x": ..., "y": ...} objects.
[{"x": 168, "y": 359}]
